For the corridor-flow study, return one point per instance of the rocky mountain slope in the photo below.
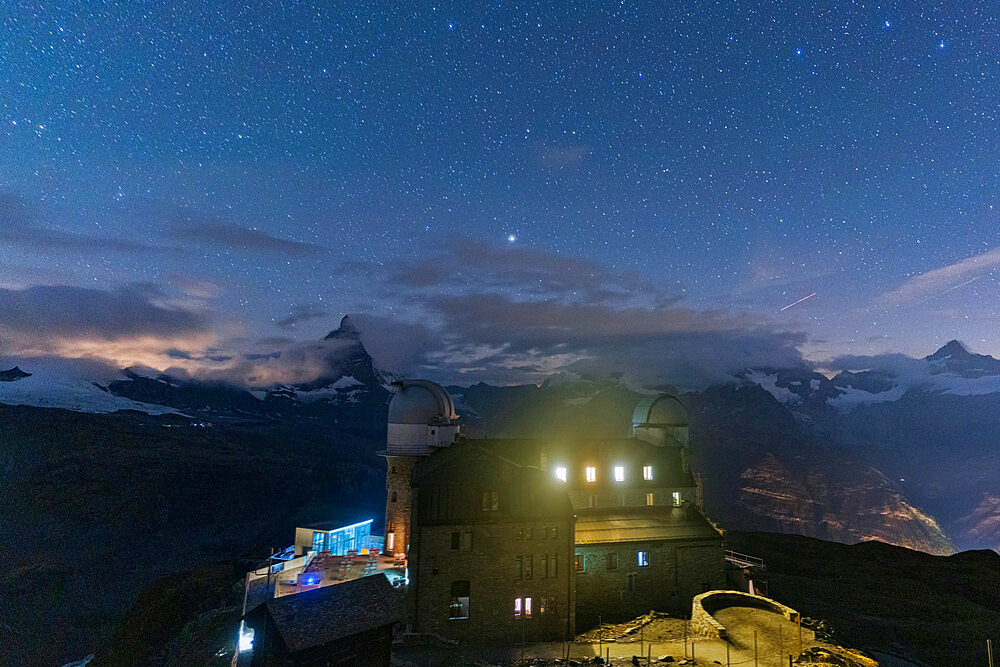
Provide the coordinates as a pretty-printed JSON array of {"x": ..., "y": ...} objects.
[
  {"x": 93, "y": 507},
  {"x": 891, "y": 601}
]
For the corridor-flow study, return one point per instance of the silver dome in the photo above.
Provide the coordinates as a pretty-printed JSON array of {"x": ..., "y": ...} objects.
[{"x": 421, "y": 402}]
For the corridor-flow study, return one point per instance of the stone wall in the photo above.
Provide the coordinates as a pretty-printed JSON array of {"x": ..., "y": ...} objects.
[
  {"x": 398, "y": 512},
  {"x": 496, "y": 578},
  {"x": 704, "y": 605},
  {"x": 677, "y": 570}
]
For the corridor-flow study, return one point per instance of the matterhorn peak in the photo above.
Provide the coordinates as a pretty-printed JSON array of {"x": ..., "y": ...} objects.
[{"x": 347, "y": 329}]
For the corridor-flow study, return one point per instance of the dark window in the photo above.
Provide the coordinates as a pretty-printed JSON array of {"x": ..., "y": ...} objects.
[
  {"x": 527, "y": 566},
  {"x": 392, "y": 498},
  {"x": 630, "y": 582},
  {"x": 467, "y": 540},
  {"x": 456, "y": 541},
  {"x": 433, "y": 431},
  {"x": 527, "y": 533},
  {"x": 490, "y": 501},
  {"x": 554, "y": 532},
  {"x": 458, "y": 606},
  {"x": 554, "y": 564},
  {"x": 545, "y": 565},
  {"x": 519, "y": 567},
  {"x": 612, "y": 559},
  {"x": 395, "y": 470}
]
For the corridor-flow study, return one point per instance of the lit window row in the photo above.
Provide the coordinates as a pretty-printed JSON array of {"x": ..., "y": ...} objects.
[{"x": 590, "y": 473}]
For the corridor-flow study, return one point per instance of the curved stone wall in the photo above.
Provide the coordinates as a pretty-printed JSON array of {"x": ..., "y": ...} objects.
[{"x": 704, "y": 605}]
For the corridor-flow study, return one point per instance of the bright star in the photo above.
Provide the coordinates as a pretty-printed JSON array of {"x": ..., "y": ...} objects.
[
  {"x": 941, "y": 45},
  {"x": 886, "y": 24},
  {"x": 511, "y": 238}
]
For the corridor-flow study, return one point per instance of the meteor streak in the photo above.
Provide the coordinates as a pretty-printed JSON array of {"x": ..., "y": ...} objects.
[{"x": 799, "y": 301}]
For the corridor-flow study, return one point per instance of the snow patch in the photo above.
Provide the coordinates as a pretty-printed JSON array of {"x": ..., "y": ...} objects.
[
  {"x": 346, "y": 381},
  {"x": 45, "y": 390},
  {"x": 769, "y": 382}
]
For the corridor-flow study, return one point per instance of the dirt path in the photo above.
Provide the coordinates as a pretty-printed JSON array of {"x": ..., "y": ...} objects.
[{"x": 776, "y": 636}]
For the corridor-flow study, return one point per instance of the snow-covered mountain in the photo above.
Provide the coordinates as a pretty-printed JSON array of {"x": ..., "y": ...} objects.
[
  {"x": 349, "y": 390},
  {"x": 950, "y": 370},
  {"x": 58, "y": 384}
]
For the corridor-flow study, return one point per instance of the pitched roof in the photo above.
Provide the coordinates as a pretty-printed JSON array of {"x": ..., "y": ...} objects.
[{"x": 330, "y": 613}]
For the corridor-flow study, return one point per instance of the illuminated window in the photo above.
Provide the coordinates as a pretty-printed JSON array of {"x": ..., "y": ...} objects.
[
  {"x": 578, "y": 563},
  {"x": 677, "y": 497},
  {"x": 647, "y": 472},
  {"x": 649, "y": 498},
  {"x": 591, "y": 474},
  {"x": 458, "y": 606},
  {"x": 619, "y": 473},
  {"x": 643, "y": 558},
  {"x": 246, "y": 637},
  {"x": 561, "y": 473},
  {"x": 522, "y": 606}
]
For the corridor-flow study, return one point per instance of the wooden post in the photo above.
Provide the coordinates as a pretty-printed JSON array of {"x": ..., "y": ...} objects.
[
  {"x": 649, "y": 654},
  {"x": 800, "y": 634},
  {"x": 600, "y": 635},
  {"x": 754, "y": 648},
  {"x": 727, "y": 655},
  {"x": 685, "y": 638}
]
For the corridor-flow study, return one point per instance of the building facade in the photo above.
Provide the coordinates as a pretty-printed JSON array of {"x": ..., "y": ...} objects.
[{"x": 535, "y": 538}]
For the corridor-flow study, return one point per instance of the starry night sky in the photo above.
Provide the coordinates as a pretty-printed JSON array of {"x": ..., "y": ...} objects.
[{"x": 498, "y": 190}]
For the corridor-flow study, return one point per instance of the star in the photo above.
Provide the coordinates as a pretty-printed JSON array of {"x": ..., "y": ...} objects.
[{"x": 511, "y": 238}]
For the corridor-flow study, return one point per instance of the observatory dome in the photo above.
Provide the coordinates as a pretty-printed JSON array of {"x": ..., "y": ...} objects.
[
  {"x": 421, "y": 402},
  {"x": 662, "y": 410}
]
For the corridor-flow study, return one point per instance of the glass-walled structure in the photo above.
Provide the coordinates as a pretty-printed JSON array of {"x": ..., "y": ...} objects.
[{"x": 339, "y": 541}]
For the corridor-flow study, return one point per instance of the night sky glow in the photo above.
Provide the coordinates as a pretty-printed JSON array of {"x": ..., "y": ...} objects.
[{"x": 501, "y": 190}]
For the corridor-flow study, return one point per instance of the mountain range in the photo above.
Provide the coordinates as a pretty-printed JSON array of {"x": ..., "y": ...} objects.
[{"x": 111, "y": 482}]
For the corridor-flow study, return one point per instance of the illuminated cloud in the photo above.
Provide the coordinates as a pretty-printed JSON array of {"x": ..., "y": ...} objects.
[{"x": 124, "y": 326}]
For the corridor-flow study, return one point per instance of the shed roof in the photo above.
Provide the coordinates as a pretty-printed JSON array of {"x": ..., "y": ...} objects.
[
  {"x": 334, "y": 612},
  {"x": 643, "y": 524}
]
